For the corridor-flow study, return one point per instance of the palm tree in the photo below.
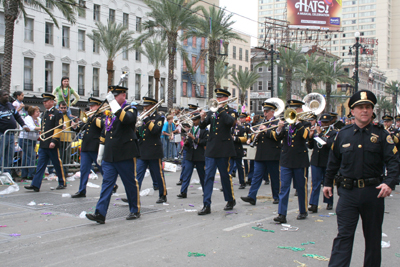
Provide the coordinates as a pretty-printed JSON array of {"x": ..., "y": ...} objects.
[
  {"x": 221, "y": 71},
  {"x": 168, "y": 17},
  {"x": 112, "y": 38},
  {"x": 156, "y": 52},
  {"x": 243, "y": 80},
  {"x": 12, "y": 9},
  {"x": 392, "y": 88},
  {"x": 291, "y": 58},
  {"x": 310, "y": 71},
  {"x": 333, "y": 73},
  {"x": 381, "y": 105},
  {"x": 215, "y": 25}
]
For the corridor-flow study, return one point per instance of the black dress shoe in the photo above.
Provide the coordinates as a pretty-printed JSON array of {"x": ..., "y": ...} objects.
[
  {"x": 242, "y": 186},
  {"x": 280, "y": 219},
  {"x": 162, "y": 199},
  {"x": 115, "y": 189},
  {"x": 31, "y": 187},
  {"x": 124, "y": 200},
  {"x": 179, "y": 183},
  {"x": 313, "y": 208},
  {"x": 155, "y": 188},
  {"x": 266, "y": 182},
  {"x": 230, "y": 205},
  {"x": 295, "y": 194},
  {"x": 97, "y": 218},
  {"x": 233, "y": 174},
  {"x": 60, "y": 186},
  {"x": 329, "y": 206},
  {"x": 302, "y": 216},
  {"x": 249, "y": 200},
  {"x": 248, "y": 182},
  {"x": 182, "y": 195},
  {"x": 276, "y": 201},
  {"x": 133, "y": 216},
  {"x": 78, "y": 195},
  {"x": 205, "y": 210}
]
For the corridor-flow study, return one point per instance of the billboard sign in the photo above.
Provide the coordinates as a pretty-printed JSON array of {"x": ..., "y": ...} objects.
[{"x": 315, "y": 14}]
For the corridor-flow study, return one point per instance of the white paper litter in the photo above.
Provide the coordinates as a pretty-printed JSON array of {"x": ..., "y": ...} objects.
[
  {"x": 190, "y": 210},
  {"x": 71, "y": 179},
  {"x": 147, "y": 192},
  {"x": 147, "y": 174},
  {"x": 93, "y": 175},
  {"x": 165, "y": 204},
  {"x": 11, "y": 189},
  {"x": 385, "y": 244},
  {"x": 66, "y": 195},
  {"x": 195, "y": 181},
  {"x": 82, "y": 215},
  {"x": 89, "y": 184},
  {"x": 384, "y": 235},
  {"x": 32, "y": 203}
]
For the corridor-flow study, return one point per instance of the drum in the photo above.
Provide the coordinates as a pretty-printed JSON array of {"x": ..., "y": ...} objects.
[{"x": 249, "y": 152}]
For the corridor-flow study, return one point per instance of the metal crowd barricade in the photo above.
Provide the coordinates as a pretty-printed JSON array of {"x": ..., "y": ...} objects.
[{"x": 19, "y": 150}]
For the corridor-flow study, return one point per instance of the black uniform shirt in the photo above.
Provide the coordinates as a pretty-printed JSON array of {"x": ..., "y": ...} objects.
[{"x": 361, "y": 153}]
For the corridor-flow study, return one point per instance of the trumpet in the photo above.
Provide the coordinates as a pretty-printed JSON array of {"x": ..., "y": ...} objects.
[
  {"x": 213, "y": 103},
  {"x": 147, "y": 113}
]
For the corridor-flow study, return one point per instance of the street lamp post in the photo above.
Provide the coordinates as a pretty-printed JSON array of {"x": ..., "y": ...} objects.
[
  {"x": 272, "y": 52},
  {"x": 357, "y": 46}
]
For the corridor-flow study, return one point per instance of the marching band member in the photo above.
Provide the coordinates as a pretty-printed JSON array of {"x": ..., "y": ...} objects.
[
  {"x": 117, "y": 155},
  {"x": 219, "y": 149},
  {"x": 239, "y": 137},
  {"x": 242, "y": 118},
  {"x": 319, "y": 159},
  {"x": 49, "y": 149},
  {"x": 294, "y": 163},
  {"x": 151, "y": 150},
  {"x": 267, "y": 157},
  {"x": 90, "y": 145},
  {"x": 387, "y": 123},
  {"x": 195, "y": 144}
]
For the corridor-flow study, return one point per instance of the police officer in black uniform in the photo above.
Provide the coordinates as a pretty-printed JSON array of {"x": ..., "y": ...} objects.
[
  {"x": 321, "y": 139},
  {"x": 49, "y": 149},
  {"x": 151, "y": 149},
  {"x": 246, "y": 126},
  {"x": 219, "y": 149},
  {"x": 239, "y": 137},
  {"x": 358, "y": 154},
  {"x": 117, "y": 154},
  {"x": 195, "y": 149},
  {"x": 90, "y": 144}
]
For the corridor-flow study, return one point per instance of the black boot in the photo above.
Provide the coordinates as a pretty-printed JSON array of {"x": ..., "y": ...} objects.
[
  {"x": 280, "y": 219},
  {"x": 179, "y": 183},
  {"x": 313, "y": 208},
  {"x": 115, "y": 189},
  {"x": 249, "y": 200},
  {"x": 133, "y": 216},
  {"x": 230, "y": 205},
  {"x": 182, "y": 195},
  {"x": 329, "y": 206},
  {"x": 162, "y": 199},
  {"x": 205, "y": 210},
  {"x": 97, "y": 218},
  {"x": 302, "y": 216}
]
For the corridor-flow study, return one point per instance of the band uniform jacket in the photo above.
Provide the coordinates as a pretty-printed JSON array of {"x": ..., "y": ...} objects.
[
  {"x": 219, "y": 143},
  {"x": 294, "y": 153},
  {"x": 361, "y": 153},
  {"x": 396, "y": 137},
  {"x": 319, "y": 157},
  {"x": 119, "y": 137},
  {"x": 51, "y": 119},
  {"x": 268, "y": 144},
  {"x": 196, "y": 154},
  {"x": 246, "y": 127},
  {"x": 91, "y": 136},
  {"x": 239, "y": 137},
  {"x": 149, "y": 137}
]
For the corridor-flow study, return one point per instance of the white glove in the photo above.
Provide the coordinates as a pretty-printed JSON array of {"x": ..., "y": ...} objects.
[
  {"x": 113, "y": 103},
  {"x": 100, "y": 154}
]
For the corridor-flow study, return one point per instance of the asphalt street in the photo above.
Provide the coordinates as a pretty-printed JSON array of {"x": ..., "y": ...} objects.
[{"x": 51, "y": 233}]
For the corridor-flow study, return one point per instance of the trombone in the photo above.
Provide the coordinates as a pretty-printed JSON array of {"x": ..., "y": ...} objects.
[
  {"x": 213, "y": 103},
  {"x": 85, "y": 115},
  {"x": 279, "y": 103},
  {"x": 147, "y": 113}
]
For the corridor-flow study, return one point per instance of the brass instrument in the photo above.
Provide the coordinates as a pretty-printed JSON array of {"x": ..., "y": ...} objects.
[
  {"x": 85, "y": 115},
  {"x": 281, "y": 106},
  {"x": 213, "y": 103},
  {"x": 147, "y": 113}
]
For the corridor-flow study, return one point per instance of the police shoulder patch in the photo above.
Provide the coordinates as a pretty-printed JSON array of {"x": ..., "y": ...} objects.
[
  {"x": 159, "y": 123},
  {"x": 389, "y": 139},
  {"x": 233, "y": 115}
]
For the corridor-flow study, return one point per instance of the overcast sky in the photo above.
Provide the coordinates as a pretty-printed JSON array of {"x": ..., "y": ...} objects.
[{"x": 246, "y": 8}]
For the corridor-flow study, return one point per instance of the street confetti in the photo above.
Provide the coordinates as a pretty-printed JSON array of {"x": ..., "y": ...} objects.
[
  {"x": 32, "y": 203},
  {"x": 319, "y": 221},
  {"x": 15, "y": 235},
  {"x": 261, "y": 229},
  {"x": 45, "y": 204},
  {"x": 191, "y": 205},
  {"x": 307, "y": 243},
  {"x": 318, "y": 257},
  {"x": 46, "y": 213},
  {"x": 292, "y": 248},
  {"x": 3, "y": 225},
  {"x": 196, "y": 254},
  {"x": 248, "y": 235},
  {"x": 301, "y": 264},
  {"x": 324, "y": 216},
  {"x": 397, "y": 255}
]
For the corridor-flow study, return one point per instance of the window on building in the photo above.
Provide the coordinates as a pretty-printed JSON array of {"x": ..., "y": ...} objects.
[
  {"x": 125, "y": 53},
  {"x": 65, "y": 70},
  {"x": 48, "y": 77},
  {"x": 260, "y": 105},
  {"x": 247, "y": 55},
  {"x": 234, "y": 52},
  {"x": 240, "y": 53},
  {"x": 233, "y": 92},
  {"x": 203, "y": 43},
  {"x": 28, "y": 74},
  {"x": 29, "y": 29},
  {"x": 194, "y": 40},
  {"x": 81, "y": 40},
  {"x": 138, "y": 55},
  {"x": 2, "y": 24},
  {"x": 260, "y": 85},
  {"x": 111, "y": 15},
  {"x": 65, "y": 36},
  {"x": 251, "y": 105},
  {"x": 246, "y": 68},
  {"x": 162, "y": 88},
  {"x": 96, "y": 12},
  {"x": 184, "y": 89},
  {"x": 174, "y": 91},
  {"x": 49, "y": 5},
  {"x": 240, "y": 68},
  {"x": 95, "y": 82},
  {"x": 81, "y": 80},
  {"x": 125, "y": 83},
  {"x": 1, "y": 66},
  {"x": 150, "y": 88},
  {"x": 82, "y": 11},
  {"x": 138, "y": 24},
  {"x": 260, "y": 69},
  {"x": 137, "y": 86},
  {"x": 96, "y": 47},
  {"x": 48, "y": 38},
  {"x": 203, "y": 66},
  {"x": 125, "y": 20}
]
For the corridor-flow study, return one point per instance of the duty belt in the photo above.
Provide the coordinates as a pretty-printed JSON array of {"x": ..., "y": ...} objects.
[{"x": 349, "y": 183}]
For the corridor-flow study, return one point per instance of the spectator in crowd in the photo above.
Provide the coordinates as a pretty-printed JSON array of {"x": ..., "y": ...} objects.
[
  {"x": 18, "y": 105},
  {"x": 63, "y": 93},
  {"x": 168, "y": 131},
  {"x": 29, "y": 141},
  {"x": 66, "y": 136}
]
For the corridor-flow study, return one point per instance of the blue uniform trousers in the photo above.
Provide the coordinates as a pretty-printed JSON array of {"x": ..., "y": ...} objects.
[
  {"x": 156, "y": 171},
  {"x": 318, "y": 174},
  {"x": 183, "y": 164},
  {"x": 352, "y": 204},
  {"x": 126, "y": 170},
  {"x": 251, "y": 172},
  {"x": 261, "y": 168},
  {"x": 45, "y": 154},
  {"x": 246, "y": 166},
  {"x": 188, "y": 171},
  {"x": 299, "y": 176},
  {"x": 237, "y": 162},
  {"x": 87, "y": 158},
  {"x": 211, "y": 167}
]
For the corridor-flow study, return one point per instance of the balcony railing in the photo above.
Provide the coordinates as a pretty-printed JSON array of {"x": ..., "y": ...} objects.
[
  {"x": 81, "y": 90},
  {"x": 96, "y": 93},
  {"x": 28, "y": 86},
  {"x": 48, "y": 88}
]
